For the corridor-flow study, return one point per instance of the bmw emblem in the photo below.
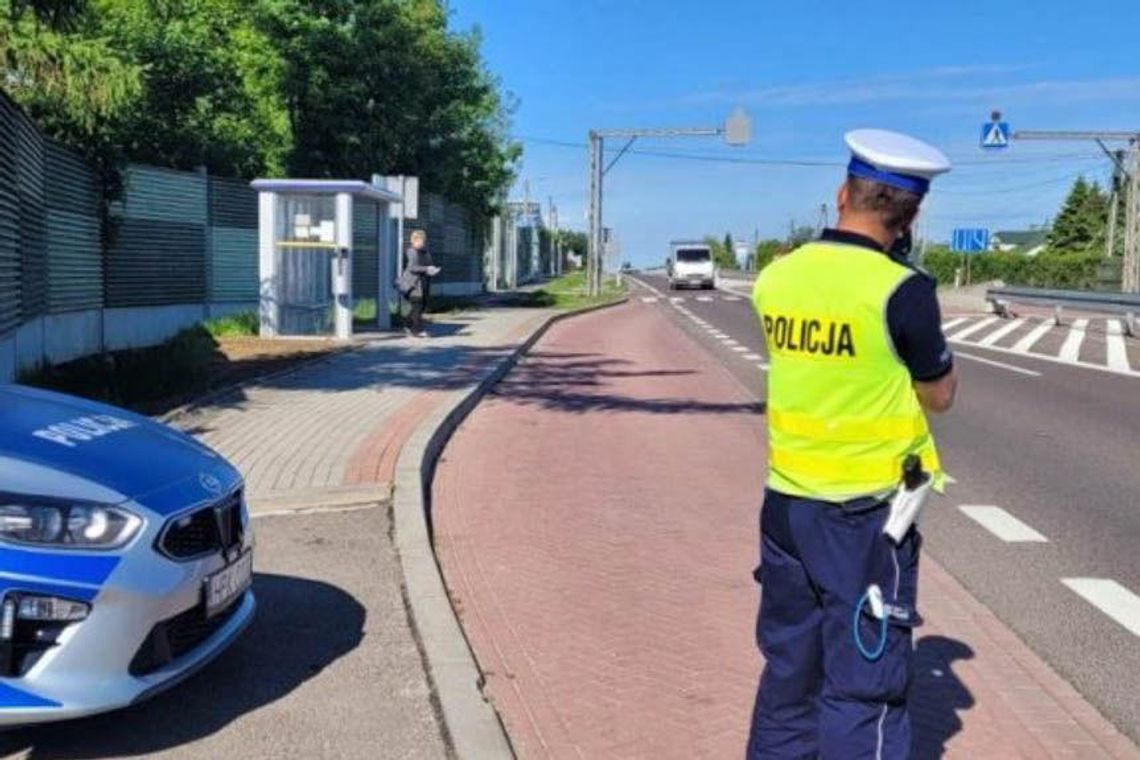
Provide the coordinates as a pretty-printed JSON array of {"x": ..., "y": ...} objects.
[{"x": 210, "y": 483}]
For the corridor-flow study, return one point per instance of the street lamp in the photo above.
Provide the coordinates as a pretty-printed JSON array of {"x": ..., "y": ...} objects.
[{"x": 737, "y": 130}]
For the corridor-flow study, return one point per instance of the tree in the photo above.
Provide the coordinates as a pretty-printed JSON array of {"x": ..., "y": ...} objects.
[
  {"x": 723, "y": 255},
  {"x": 70, "y": 81},
  {"x": 572, "y": 242},
  {"x": 766, "y": 251},
  {"x": 1081, "y": 224},
  {"x": 212, "y": 81},
  {"x": 797, "y": 236},
  {"x": 325, "y": 88},
  {"x": 178, "y": 83},
  {"x": 384, "y": 86}
]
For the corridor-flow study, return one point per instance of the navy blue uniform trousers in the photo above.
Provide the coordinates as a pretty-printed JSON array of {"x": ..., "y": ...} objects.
[{"x": 818, "y": 696}]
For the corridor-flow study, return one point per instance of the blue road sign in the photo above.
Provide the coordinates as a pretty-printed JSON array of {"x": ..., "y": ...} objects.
[
  {"x": 995, "y": 134},
  {"x": 970, "y": 240}
]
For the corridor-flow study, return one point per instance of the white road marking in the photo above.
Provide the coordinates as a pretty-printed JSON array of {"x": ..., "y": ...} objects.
[
  {"x": 949, "y": 478},
  {"x": 975, "y": 328},
  {"x": 952, "y": 323},
  {"x": 1111, "y": 598},
  {"x": 752, "y": 357},
  {"x": 762, "y": 366},
  {"x": 704, "y": 299},
  {"x": 1002, "y": 365},
  {"x": 1071, "y": 348},
  {"x": 718, "y": 334},
  {"x": 649, "y": 299},
  {"x": 1027, "y": 342},
  {"x": 1000, "y": 333},
  {"x": 1002, "y": 524},
  {"x": 676, "y": 299},
  {"x": 740, "y": 349},
  {"x": 728, "y": 341},
  {"x": 1117, "y": 353},
  {"x": 1056, "y": 360}
]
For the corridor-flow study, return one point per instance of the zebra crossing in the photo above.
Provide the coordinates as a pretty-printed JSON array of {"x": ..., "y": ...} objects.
[{"x": 1100, "y": 343}]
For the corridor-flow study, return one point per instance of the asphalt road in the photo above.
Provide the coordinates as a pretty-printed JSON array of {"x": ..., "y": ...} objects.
[
  {"x": 328, "y": 668},
  {"x": 1056, "y": 447}
]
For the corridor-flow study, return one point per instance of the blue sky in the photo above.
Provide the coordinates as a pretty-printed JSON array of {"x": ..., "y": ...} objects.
[{"x": 806, "y": 73}]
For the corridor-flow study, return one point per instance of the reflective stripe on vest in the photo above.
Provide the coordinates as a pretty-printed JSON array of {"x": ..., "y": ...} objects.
[{"x": 842, "y": 411}]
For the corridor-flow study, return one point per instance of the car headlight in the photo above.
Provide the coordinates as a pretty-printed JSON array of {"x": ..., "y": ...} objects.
[{"x": 78, "y": 526}]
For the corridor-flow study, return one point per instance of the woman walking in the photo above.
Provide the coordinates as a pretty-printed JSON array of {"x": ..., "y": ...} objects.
[{"x": 415, "y": 283}]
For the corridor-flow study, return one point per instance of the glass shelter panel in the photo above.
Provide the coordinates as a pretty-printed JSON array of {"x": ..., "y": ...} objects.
[{"x": 305, "y": 249}]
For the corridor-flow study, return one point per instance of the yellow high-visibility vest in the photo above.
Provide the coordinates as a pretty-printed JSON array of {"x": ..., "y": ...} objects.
[{"x": 842, "y": 410}]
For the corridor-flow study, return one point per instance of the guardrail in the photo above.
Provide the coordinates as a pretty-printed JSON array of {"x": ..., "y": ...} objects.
[{"x": 1127, "y": 304}]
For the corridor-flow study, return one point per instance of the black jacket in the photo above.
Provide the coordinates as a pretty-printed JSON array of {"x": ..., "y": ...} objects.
[{"x": 418, "y": 262}]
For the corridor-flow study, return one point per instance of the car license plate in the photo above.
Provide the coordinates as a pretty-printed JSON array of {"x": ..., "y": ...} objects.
[{"x": 228, "y": 584}]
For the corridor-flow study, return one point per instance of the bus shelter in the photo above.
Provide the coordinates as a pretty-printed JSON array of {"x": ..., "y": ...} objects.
[{"x": 325, "y": 247}]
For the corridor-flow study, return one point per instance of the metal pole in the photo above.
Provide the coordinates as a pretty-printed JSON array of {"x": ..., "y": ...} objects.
[
  {"x": 594, "y": 254},
  {"x": 590, "y": 201},
  {"x": 400, "y": 230},
  {"x": 600, "y": 230},
  {"x": 1113, "y": 201},
  {"x": 1131, "y": 274}
]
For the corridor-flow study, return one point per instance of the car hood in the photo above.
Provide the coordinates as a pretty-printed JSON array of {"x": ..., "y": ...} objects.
[{"x": 111, "y": 449}]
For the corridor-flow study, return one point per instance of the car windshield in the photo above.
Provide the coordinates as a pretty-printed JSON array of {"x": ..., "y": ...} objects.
[{"x": 693, "y": 255}]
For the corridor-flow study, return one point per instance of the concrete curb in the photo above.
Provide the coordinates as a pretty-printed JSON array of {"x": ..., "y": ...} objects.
[{"x": 471, "y": 724}]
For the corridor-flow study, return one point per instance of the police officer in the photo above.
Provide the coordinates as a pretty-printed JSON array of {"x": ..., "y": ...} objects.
[{"x": 856, "y": 356}]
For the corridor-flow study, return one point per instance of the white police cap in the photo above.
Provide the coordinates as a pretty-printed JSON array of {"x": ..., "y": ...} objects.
[{"x": 894, "y": 159}]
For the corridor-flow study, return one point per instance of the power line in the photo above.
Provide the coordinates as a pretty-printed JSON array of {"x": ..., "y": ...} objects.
[
  {"x": 1062, "y": 179},
  {"x": 798, "y": 162}
]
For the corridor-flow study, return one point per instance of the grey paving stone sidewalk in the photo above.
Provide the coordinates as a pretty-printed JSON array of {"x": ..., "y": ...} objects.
[{"x": 298, "y": 432}]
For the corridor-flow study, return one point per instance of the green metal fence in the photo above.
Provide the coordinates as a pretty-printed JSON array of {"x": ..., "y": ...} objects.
[{"x": 178, "y": 241}]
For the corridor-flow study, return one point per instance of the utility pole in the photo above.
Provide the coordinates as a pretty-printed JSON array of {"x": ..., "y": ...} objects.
[
  {"x": 594, "y": 239},
  {"x": 555, "y": 242},
  {"x": 737, "y": 130},
  {"x": 1130, "y": 281},
  {"x": 822, "y": 222},
  {"x": 1127, "y": 163},
  {"x": 1119, "y": 190}
]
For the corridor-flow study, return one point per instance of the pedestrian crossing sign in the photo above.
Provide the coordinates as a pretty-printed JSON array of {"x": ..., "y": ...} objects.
[{"x": 995, "y": 134}]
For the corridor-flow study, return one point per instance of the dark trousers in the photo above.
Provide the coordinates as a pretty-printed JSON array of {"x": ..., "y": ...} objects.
[
  {"x": 416, "y": 313},
  {"x": 818, "y": 696}
]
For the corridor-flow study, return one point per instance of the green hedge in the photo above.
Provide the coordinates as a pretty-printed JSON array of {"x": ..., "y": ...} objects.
[
  {"x": 1048, "y": 269},
  {"x": 136, "y": 378}
]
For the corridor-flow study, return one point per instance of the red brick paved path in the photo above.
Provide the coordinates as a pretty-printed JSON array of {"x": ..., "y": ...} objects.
[{"x": 596, "y": 522}]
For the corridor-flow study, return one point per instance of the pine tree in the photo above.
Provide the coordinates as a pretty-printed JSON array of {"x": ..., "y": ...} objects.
[{"x": 1080, "y": 226}]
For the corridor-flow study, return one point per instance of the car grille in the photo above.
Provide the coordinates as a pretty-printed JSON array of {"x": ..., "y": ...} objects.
[
  {"x": 178, "y": 635},
  {"x": 207, "y": 531}
]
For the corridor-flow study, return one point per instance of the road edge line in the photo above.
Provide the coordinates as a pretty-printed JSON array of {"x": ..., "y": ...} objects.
[{"x": 472, "y": 726}]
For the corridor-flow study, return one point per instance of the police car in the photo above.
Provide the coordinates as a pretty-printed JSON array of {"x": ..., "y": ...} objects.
[{"x": 125, "y": 557}]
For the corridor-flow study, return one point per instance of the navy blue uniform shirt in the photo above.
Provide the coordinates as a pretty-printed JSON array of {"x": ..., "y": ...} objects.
[{"x": 914, "y": 319}]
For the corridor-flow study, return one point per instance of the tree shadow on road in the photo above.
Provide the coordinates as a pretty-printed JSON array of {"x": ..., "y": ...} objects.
[
  {"x": 300, "y": 628},
  {"x": 937, "y": 695},
  {"x": 575, "y": 384}
]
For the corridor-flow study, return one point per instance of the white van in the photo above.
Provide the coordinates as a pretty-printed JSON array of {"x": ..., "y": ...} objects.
[{"x": 690, "y": 265}]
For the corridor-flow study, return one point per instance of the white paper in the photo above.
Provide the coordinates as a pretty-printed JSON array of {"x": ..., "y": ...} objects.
[{"x": 327, "y": 231}]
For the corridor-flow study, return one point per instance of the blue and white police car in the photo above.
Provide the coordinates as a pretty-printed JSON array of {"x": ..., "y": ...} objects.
[{"x": 125, "y": 556}]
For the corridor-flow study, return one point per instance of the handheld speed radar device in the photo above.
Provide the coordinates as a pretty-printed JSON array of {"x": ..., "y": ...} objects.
[{"x": 908, "y": 500}]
